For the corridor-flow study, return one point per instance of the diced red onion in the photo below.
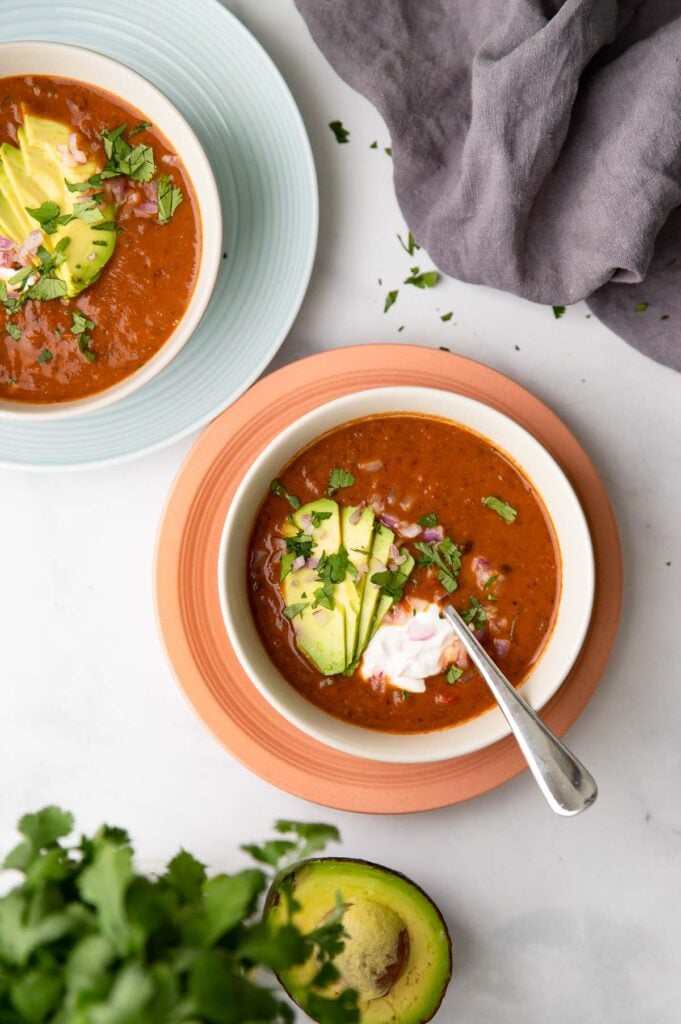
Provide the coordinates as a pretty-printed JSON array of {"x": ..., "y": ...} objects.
[
  {"x": 433, "y": 533},
  {"x": 29, "y": 247},
  {"x": 501, "y": 647},
  {"x": 118, "y": 188},
  {"x": 445, "y": 697},
  {"x": 400, "y": 560},
  {"x": 66, "y": 157},
  {"x": 321, "y": 616},
  {"x": 276, "y": 557},
  {"x": 150, "y": 189},
  {"x": 357, "y": 514},
  {"x": 6, "y": 243},
  {"x": 169, "y": 158},
  {"x": 92, "y": 256},
  {"x": 420, "y": 630},
  {"x": 149, "y": 208},
  {"x": 306, "y": 523},
  {"x": 409, "y": 530},
  {"x": 377, "y": 504},
  {"x": 371, "y": 467},
  {"x": 297, "y": 563},
  {"x": 280, "y": 543},
  {"x": 377, "y": 682},
  {"x": 391, "y": 496},
  {"x": 394, "y": 551},
  {"x": 393, "y": 566},
  {"x": 479, "y": 634},
  {"x": 323, "y": 683},
  {"x": 390, "y": 521},
  {"x": 311, "y": 563},
  {"x": 462, "y": 657},
  {"x": 78, "y": 155}
]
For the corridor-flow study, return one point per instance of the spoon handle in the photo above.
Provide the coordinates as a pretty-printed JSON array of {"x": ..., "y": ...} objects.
[{"x": 567, "y": 785}]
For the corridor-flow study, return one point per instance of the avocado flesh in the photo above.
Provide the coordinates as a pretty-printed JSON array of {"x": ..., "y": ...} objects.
[
  {"x": 378, "y": 560},
  {"x": 34, "y": 174},
  {"x": 399, "y": 982},
  {"x": 320, "y": 632},
  {"x": 386, "y": 602}
]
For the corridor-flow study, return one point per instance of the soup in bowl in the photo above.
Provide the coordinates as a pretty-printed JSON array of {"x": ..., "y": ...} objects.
[
  {"x": 357, "y": 526},
  {"x": 110, "y": 231}
]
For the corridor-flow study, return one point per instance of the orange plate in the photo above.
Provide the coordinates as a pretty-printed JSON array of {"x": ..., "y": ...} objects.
[{"x": 187, "y": 595}]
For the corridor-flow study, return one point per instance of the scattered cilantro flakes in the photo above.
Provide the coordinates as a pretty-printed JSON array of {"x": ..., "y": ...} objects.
[
  {"x": 641, "y": 307},
  {"x": 318, "y": 517},
  {"x": 446, "y": 316},
  {"x": 47, "y": 288},
  {"x": 427, "y": 279},
  {"x": 475, "y": 614},
  {"x": 323, "y": 597},
  {"x": 46, "y": 215},
  {"x": 141, "y": 127},
  {"x": 410, "y": 246},
  {"x": 341, "y": 133},
  {"x": 502, "y": 508},
  {"x": 276, "y": 487},
  {"x": 45, "y": 356},
  {"x": 558, "y": 311},
  {"x": 374, "y": 144},
  {"x": 81, "y": 323},
  {"x": 428, "y": 520},
  {"x": 445, "y": 557},
  {"x": 665, "y": 317},
  {"x": 169, "y": 198},
  {"x": 400, "y": 328},
  {"x": 389, "y": 150},
  {"x": 390, "y": 300},
  {"x": 391, "y": 583},
  {"x": 291, "y": 610},
  {"x": 454, "y": 673},
  {"x": 339, "y": 478},
  {"x": 15, "y": 332}
]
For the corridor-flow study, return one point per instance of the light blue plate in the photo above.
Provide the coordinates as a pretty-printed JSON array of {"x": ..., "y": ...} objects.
[{"x": 229, "y": 90}]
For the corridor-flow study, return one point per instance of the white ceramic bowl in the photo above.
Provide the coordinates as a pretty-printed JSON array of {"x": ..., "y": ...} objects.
[
  {"x": 577, "y": 568},
  {"x": 61, "y": 60}
]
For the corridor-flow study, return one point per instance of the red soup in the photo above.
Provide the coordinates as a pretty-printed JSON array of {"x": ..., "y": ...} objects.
[
  {"x": 100, "y": 239},
  {"x": 362, "y": 540}
]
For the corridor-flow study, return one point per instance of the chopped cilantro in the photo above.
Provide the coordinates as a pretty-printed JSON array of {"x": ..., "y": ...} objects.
[
  {"x": 169, "y": 198},
  {"x": 81, "y": 323},
  {"x": 107, "y": 225},
  {"x": 276, "y": 487},
  {"x": 341, "y": 133},
  {"x": 428, "y": 520},
  {"x": 391, "y": 583},
  {"x": 339, "y": 478},
  {"x": 665, "y": 317},
  {"x": 558, "y": 311},
  {"x": 410, "y": 246},
  {"x": 390, "y": 300},
  {"x": 47, "y": 288},
  {"x": 46, "y": 214},
  {"x": 45, "y": 356},
  {"x": 389, "y": 150},
  {"x": 334, "y": 568},
  {"x": 475, "y": 614},
  {"x": 300, "y": 544},
  {"x": 445, "y": 557},
  {"x": 641, "y": 307},
  {"x": 453, "y": 674},
  {"x": 318, "y": 517},
  {"x": 502, "y": 508},
  {"x": 142, "y": 126},
  {"x": 446, "y": 317},
  {"x": 287, "y": 560},
  {"x": 374, "y": 144},
  {"x": 427, "y": 279},
  {"x": 491, "y": 581},
  {"x": 323, "y": 597},
  {"x": 291, "y": 610},
  {"x": 15, "y": 332}
]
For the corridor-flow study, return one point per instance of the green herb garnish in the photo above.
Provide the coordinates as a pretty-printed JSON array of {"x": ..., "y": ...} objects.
[
  {"x": 81, "y": 323},
  {"x": 291, "y": 610},
  {"x": 45, "y": 356},
  {"x": 454, "y": 673},
  {"x": 445, "y": 557},
  {"x": 323, "y": 597},
  {"x": 334, "y": 568},
  {"x": 300, "y": 544},
  {"x": 446, "y": 317},
  {"x": 47, "y": 288},
  {"x": 390, "y": 300},
  {"x": 391, "y": 583},
  {"x": 410, "y": 246},
  {"x": 318, "y": 517},
  {"x": 169, "y": 198},
  {"x": 425, "y": 279},
  {"x": 475, "y": 614},
  {"x": 339, "y": 478},
  {"x": 123, "y": 159},
  {"x": 15, "y": 332},
  {"x": 276, "y": 487},
  {"x": 641, "y": 307},
  {"x": 341, "y": 133},
  {"x": 490, "y": 582},
  {"x": 428, "y": 520},
  {"x": 502, "y": 508},
  {"x": 558, "y": 311},
  {"x": 46, "y": 214},
  {"x": 388, "y": 150},
  {"x": 142, "y": 126},
  {"x": 374, "y": 144}
]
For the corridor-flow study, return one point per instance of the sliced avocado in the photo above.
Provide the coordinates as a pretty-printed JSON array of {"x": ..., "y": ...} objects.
[
  {"x": 357, "y": 539},
  {"x": 379, "y": 558},
  {"x": 14, "y": 221},
  {"x": 320, "y": 632},
  {"x": 24, "y": 188},
  {"x": 397, "y": 951},
  {"x": 85, "y": 260},
  {"x": 386, "y": 602},
  {"x": 45, "y": 134},
  {"x": 41, "y": 171}
]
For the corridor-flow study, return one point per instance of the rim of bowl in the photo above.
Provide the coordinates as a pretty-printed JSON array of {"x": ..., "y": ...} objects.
[
  {"x": 361, "y": 736},
  {"x": 209, "y": 210}
]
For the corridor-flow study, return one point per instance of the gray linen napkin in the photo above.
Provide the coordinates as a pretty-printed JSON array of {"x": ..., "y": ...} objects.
[{"x": 537, "y": 143}]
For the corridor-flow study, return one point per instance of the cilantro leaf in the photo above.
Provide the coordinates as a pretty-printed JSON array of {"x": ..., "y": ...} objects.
[
  {"x": 558, "y": 311},
  {"x": 45, "y": 356},
  {"x": 15, "y": 332},
  {"x": 454, "y": 673},
  {"x": 475, "y": 614},
  {"x": 291, "y": 610},
  {"x": 427, "y": 279},
  {"x": 341, "y": 133},
  {"x": 391, "y": 583},
  {"x": 47, "y": 288},
  {"x": 410, "y": 246},
  {"x": 640, "y": 307},
  {"x": 81, "y": 322},
  {"x": 390, "y": 300},
  {"x": 502, "y": 508},
  {"x": 318, "y": 517},
  {"x": 169, "y": 198},
  {"x": 445, "y": 557},
  {"x": 46, "y": 215},
  {"x": 446, "y": 316},
  {"x": 339, "y": 478},
  {"x": 276, "y": 487},
  {"x": 228, "y": 899},
  {"x": 428, "y": 520},
  {"x": 142, "y": 126},
  {"x": 323, "y": 597}
]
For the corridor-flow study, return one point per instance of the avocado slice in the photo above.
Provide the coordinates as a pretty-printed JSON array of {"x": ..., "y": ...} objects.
[
  {"x": 320, "y": 632},
  {"x": 34, "y": 174},
  {"x": 397, "y": 953},
  {"x": 385, "y": 601},
  {"x": 379, "y": 558},
  {"x": 357, "y": 539}
]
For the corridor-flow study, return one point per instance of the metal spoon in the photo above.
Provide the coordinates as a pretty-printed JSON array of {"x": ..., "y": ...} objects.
[{"x": 566, "y": 784}]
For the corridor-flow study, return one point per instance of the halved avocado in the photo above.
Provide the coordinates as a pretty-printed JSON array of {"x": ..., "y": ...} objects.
[{"x": 397, "y": 952}]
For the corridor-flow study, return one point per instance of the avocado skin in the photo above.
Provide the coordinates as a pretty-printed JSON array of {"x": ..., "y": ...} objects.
[{"x": 272, "y": 901}]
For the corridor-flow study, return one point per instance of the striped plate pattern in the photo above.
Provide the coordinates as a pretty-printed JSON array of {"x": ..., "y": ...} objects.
[{"x": 229, "y": 90}]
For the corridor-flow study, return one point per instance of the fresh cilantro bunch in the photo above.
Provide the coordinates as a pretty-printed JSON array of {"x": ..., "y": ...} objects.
[{"x": 85, "y": 939}]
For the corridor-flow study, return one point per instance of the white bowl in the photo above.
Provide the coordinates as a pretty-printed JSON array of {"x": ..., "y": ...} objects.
[
  {"x": 571, "y": 530},
  {"x": 64, "y": 61}
]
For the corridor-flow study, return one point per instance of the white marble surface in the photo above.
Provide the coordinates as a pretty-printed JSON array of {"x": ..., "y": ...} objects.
[{"x": 552, "y": 920}]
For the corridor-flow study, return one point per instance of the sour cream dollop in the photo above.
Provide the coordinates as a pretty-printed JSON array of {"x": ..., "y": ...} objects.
[{"x": 406, "y": 653}]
